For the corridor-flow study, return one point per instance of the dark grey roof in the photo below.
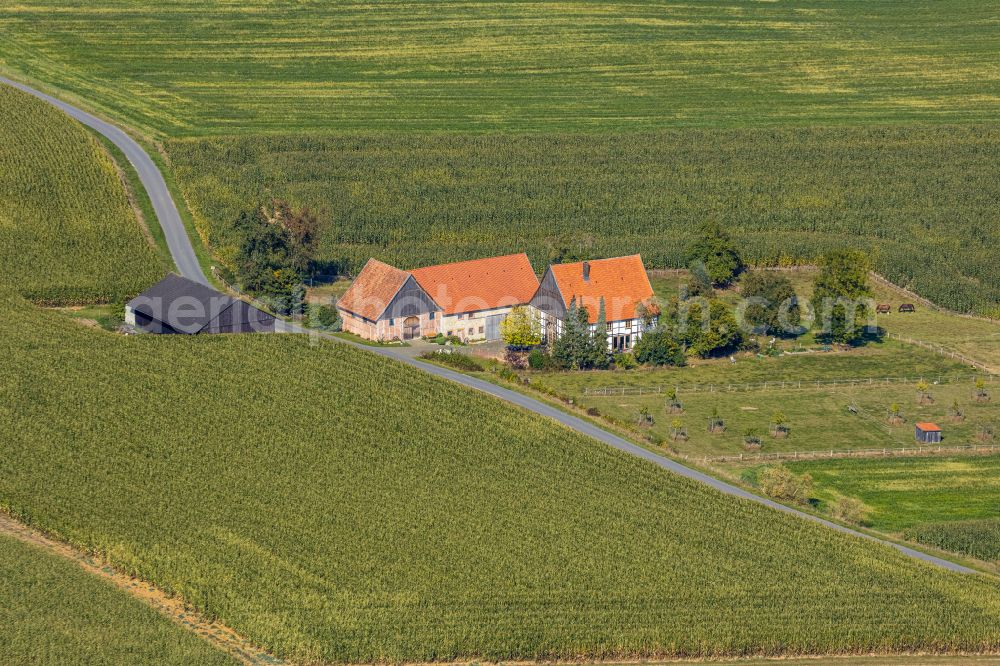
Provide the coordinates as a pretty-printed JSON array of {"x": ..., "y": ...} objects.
[{"x": 189, "y": 307}]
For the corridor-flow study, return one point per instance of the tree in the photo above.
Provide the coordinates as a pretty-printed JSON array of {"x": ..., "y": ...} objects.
[
  {"x": 647, "y": 312},
  {"x": 520, "y": 329},
  {"x": 699, "y": 282},
  {"x": 573, "y": 349},
  {"x": 659, "y": 347},
  {"x": 598, "y": 348},
  {"x": 770, "y": 304},
  {"x": 842, "y": 297},
  {"x": 716, "y": 251},
  {"x": 716, "y": 334}
]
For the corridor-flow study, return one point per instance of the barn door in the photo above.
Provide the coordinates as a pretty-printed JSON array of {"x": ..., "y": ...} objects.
[
  {"x": 493, "y": 326},
  {"x": 411, "y": 328}
]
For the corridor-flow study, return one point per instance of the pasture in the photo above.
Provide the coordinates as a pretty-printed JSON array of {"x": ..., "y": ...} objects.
[
  {"x": 949, "y": 503},
  {"x": 67, "y": 232},
  {"x": 327, "y": 528},
  {"x": 54, "y": 612},
  {"x": 919, "y": 200},
  {"x": 185, "y": 67},
  {"x": 903, "y": 493}
]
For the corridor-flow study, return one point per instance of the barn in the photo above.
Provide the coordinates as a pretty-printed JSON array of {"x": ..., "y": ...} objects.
[
  {"x": 178, "y": 305},
  {"x": 465, "y": 299},
  {"x": 928, "y": 433}
]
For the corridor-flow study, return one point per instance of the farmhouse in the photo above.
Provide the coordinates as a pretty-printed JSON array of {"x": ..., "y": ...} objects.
[
  {"x": 178, "y": 305},
  {"x": 467, "y": 299},
  {"x": 620, "y": 283}
]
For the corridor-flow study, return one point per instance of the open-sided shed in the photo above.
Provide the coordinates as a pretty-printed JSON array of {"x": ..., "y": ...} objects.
[{"x": 928, "y": 433}]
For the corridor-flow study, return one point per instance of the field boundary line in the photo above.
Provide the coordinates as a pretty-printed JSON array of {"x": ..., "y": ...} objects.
[
  {"x": 215, "y": 633},
  {"x": 945, "y": 351},
  {"x": 834, "y": 454}
]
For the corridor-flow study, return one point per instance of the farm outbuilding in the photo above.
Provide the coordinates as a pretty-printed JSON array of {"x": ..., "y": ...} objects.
[
  {"x": 928, "y": 433},
  {"x": 178, "y": 305}
]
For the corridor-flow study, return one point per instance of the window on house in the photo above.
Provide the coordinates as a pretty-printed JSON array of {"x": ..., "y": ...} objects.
[
  {"x": 610, "y": 326},
  {"x": 628, "y": 325},
  {"x": 471, "y": 331},
  {"x": 481, "y": 330},
  {"x": 449, "y": 333},
  {"x": 431, "y": 317},
  {"x": 392, "y": 322}
]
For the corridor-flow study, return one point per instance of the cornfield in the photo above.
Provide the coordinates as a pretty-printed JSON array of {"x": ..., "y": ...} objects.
[
  {"x": 978, "y": 538},
  {"x": 921, "y": 201},
  {"x": 67, "y": 616},
  {"x": 331, "y": 504},
  {"x": 67, "y": 233}
]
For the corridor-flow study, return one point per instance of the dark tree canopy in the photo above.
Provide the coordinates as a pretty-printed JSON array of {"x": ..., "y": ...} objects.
[
  {"x": 715, "y": 249},
  {"x": 842, "y": 297},
  {"x": 770, "y": 304}
]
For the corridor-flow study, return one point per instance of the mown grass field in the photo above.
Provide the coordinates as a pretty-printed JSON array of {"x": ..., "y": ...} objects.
[
  {"x": 906, "y": 493},
  {"x": 921, "y": 201},
  {"x": 346, "y": 528},
  {"x": 53, "y": 612},
  {"x": 187, "y": 68},
  {"x": 946, "y": 503},
  {"x": 67, "y": 232}
]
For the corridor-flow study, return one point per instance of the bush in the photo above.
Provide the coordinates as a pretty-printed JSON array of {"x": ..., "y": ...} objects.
[
  {"x": 848, "y": 510},
  {"x": 658, "y": 347},
  {"x": 325, "y": 317},
  {"x": 625, "y": 361},
  {"x": 781, "y": 483},
  {"x": 462, "y": 362}
]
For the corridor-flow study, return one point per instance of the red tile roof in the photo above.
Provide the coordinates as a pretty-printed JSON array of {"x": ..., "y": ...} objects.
[
  {"x": 928, "y": 427},
  {"x": 373, "y": 289},
  {"x": 622, "y": 282},
  {"x": 480, "y": 284}
]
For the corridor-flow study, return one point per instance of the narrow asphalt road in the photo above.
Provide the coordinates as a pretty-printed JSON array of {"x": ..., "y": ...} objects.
[
  {"x": 187, "y": 263},
  {"x": 163, "y": 204}
]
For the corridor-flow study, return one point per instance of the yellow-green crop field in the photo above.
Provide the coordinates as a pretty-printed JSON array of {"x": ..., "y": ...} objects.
[
  {"x": 431, "y": 523},
  {"x": 192, "y": 68},
  {"x": 67, "y": 232},
  {"x": 53, "y": 612}
]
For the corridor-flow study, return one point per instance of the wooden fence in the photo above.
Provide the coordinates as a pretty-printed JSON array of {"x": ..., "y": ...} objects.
[
  {"x": 976, "y": 449},
  {"x": 945, "y": 351},
  {"x": 776, "y": 385}
]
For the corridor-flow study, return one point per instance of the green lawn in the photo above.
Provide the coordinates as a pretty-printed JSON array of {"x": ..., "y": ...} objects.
[
  {"x": 53, "y": 612},
  {"x": 191, "y": 68},
  {"x": 905, "y": 492}
]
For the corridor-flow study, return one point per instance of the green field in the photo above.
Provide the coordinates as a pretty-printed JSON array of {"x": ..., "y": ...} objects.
[
  {"x": 67, "y": 233},
  {"x": 355, "y": 529},
  {"x": 53, "y": 612},
  {"x": 920, "y": 200},
  {"x": 191, "y": 68},
  {"x": 906, "y": 493},
  {"x": 979, "y": 538}
]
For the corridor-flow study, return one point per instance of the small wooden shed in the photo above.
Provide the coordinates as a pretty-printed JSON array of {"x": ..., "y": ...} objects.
[{"x": 928, "y": 433}]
